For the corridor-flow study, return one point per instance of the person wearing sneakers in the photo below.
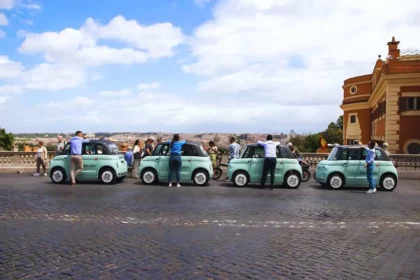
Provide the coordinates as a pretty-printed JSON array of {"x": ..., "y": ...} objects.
[
  {"x": 369, "y": 165},
  {"x": 41, "y": 159},
  {"x": 76, "y": 159},
  {"x": 270, "y": 161},
  {"x": 175, "y": 161}
]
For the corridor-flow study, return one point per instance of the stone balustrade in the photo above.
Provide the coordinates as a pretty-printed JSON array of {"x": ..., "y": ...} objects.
[{"x": 25, "y": 161}]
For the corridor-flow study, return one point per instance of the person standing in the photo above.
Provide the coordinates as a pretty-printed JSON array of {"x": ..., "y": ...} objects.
[
  {"x": 369, "y": 165},
  {"x": 41, "y": 159},
  {"x": 148, "y": 147},
  {"x": 270, "y": 160},
  {"x": 128, "y": 156},
  {"x": 385, "y": 148},
  {"x": 60, "y": 145},
  {"x": 175, "y": 160},
  {"x": 234, "y": 149},
  {"x": 137, "y": 154},
  {"x": 212, "y": 151},
  {"x": 76, "y": 160}
]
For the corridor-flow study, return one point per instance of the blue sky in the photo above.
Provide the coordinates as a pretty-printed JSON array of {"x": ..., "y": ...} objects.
[{"x": 187, "y": 66}]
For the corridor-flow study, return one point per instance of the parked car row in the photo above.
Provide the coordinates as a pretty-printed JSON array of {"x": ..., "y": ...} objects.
[{"x": 343, "y": 167}]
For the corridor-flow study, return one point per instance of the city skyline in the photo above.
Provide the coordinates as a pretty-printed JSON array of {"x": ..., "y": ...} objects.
[{"x": 188, "y": 66}]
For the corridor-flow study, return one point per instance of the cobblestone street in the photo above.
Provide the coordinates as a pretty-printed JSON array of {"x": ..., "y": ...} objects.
[{"x": 132, "y": 231}]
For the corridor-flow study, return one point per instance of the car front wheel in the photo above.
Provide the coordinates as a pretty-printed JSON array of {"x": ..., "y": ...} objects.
[
  {"x": 108, "y": 176},
  {"x": 200, "y": 178},
  {"x": 335, "y": 181},
  {"x": 58, "y": 175},
  {"x": 293, "y": 180},
  {"x": 149, "y": 177},
  {"x": 388, "y": 182},
  {"x": 240, "y": 179}
]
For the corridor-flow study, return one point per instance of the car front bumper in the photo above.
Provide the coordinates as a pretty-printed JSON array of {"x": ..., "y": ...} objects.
[{"x": 320, "y": 176}]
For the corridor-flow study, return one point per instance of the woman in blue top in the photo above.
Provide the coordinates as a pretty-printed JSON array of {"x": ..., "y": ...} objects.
[
  {"x": 175, "y": 161},
  {"x": 370, "y": 157}
]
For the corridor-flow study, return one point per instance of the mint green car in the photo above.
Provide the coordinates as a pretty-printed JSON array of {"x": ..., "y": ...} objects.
[
  {"x": 196, "y": 165},
  {"x": 345, "y": 166},
  {"x": 102, "y": 161},
  {"x": 248, "y": 167}
]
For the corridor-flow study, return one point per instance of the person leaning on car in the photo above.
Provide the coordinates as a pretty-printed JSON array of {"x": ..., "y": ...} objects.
[
  {"x": 270, "y": 160},
  {"x": 148, "y": 147},
  {"x": 76, "y": 159}
]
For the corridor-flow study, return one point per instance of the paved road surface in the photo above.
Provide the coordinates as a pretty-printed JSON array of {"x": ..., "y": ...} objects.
[{"x": 131, "y": 231}]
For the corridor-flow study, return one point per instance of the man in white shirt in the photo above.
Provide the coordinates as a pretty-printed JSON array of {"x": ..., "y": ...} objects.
[{"x": 270, "y": 160}]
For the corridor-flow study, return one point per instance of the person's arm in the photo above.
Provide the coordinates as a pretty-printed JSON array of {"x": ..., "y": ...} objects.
[
  {"x": 297, "y": 153},
  {"x": 45, "y": 153},
  {"x": 261, "y": 143},
  {"x": 148, "y": 150},
  {"x": 85, "y": 140}
]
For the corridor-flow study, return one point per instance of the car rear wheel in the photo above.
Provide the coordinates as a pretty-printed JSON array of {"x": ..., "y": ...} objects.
[
  {"x": 108, "y": 176},
  {"x": 293, "y": 180},
  {"x": 149, "y": 177},
  {"x": 200, "y": 178},
  {"x": 335, "y": 181},
  {"x": 388, "y": 182},
  {"x": 58, "y": 175},
  {"x": 240, "y": 179}
]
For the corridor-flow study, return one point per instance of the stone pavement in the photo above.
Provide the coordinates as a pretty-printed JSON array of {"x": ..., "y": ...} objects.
[{"x": 131, "y": 231}]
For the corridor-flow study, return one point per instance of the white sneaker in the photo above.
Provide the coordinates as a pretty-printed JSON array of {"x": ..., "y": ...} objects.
[
  {"x": 45, "y": 174},
  {"x": 170, "y": 185},
  {"x": 36, "y": 174},
  {"x": 178, "y": 185},
  {"x": 371, "y": 191}
]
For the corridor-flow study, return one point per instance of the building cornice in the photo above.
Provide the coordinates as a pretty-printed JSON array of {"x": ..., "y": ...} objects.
[
  {"x": 356, "y": 83},
  {"x": 355, "y": 106},
  {"x": 401, "y": 79}
]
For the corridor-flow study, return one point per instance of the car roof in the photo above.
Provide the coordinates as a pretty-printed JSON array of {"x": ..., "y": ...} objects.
[
  {"x": 188, "y": 143},
  {"x": 100, "y": 142},
  {"x": 255, "y": 145},
  {"x": 357, "y": 146}
]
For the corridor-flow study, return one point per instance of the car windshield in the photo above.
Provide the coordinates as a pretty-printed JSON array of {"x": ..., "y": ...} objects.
[
  {"x": 201, "y": 147},
  {"x": 243, "y": 152},
  {"x": 113, "y": 149},
  {"x": 334, "y": 153}
]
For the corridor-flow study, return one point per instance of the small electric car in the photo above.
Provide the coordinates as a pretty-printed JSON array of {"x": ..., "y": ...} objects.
[
  {"x": 196, "y": 165},
  {"x": 248, "y": 167},
  {"x": 102, "y": 161},
  {"x": 345, "y": 166}
]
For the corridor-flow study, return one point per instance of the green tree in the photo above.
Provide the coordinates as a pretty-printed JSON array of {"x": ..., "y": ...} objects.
[
  {"x": 333, "y": 134},
  {"x": 339, "y": 122},
  {"x": 311, "y": 143},
  {"x": 6, "y": 139}
]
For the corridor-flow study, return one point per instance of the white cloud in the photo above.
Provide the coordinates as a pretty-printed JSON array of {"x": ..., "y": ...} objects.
[
  {"x": 294, "y": 53},
  {"x": 54, "y": 77},
  {"x": 154, "y": 85},
  {"x": 116, "y": 93},
  {"x": 10, "y": 89},
  {"x": 7, "y": 4},
  {"x": 9, "y": 68},
  {"x": 78, "y": 103},
  {"x": 32, "y": 6},
  {"x": 3, "y": 19},
  {"x": 81, "y": 45},
  {"x": 3, "y": 99}
]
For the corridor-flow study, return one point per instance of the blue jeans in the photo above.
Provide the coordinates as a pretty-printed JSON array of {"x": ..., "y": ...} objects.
[
  {"x": 175, "y": 163},
  {"x": 369, "y": 172}
]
